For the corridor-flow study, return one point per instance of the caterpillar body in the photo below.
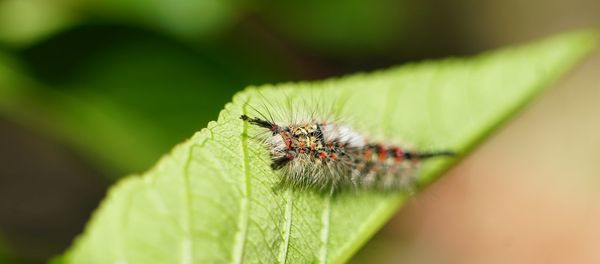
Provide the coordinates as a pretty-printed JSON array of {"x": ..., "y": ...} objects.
[{"x": 326, "y": 155}]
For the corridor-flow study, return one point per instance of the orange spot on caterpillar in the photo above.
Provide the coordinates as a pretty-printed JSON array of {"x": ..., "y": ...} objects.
[
  {"x": 333, "y": 156},
  {"x": 382, "y": 152},
  {"x": 322, "y": 154}
]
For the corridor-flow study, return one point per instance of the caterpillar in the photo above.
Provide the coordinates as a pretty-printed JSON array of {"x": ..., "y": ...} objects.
[{"x": 330, "y": 156}]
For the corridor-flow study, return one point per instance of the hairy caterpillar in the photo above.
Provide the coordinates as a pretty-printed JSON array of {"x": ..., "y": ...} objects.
[{"x": 327, "y": 155}]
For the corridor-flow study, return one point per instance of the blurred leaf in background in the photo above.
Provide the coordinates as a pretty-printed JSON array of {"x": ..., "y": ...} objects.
[
  {"x": 188, "y": 19},
  {"x": 23, "y": 22}
]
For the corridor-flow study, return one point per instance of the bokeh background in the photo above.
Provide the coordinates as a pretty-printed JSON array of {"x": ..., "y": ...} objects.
[{"x": 94, "y": 90}]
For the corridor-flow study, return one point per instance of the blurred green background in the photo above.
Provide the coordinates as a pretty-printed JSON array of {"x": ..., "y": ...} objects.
[{"x": 98, "y": 89}]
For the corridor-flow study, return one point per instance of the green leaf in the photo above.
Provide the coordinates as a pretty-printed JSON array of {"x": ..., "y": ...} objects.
[
  {"x": 211, "y": 199},
  {"x": 189, "y": 19}
]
